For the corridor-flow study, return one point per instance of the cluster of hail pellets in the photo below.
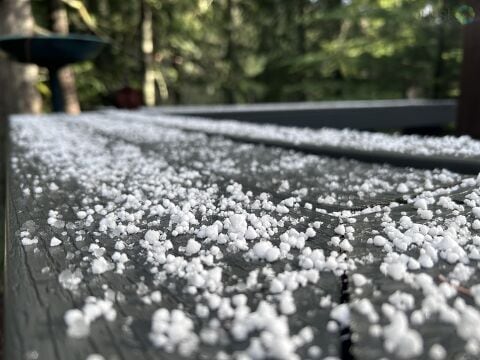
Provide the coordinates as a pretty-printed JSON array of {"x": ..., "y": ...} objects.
[
  {"x": 233, "y": 252},
  {"x": 463, "y": 146}
]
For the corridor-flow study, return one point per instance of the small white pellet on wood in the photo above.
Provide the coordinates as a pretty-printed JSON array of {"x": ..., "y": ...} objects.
[{"x": 55, "y": 241}]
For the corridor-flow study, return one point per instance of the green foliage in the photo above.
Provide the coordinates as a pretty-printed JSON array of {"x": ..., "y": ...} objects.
[{"x": 211, "y": 51}]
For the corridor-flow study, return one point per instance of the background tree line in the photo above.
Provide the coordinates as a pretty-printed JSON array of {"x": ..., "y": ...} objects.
[{"x": 235, "y": 51}]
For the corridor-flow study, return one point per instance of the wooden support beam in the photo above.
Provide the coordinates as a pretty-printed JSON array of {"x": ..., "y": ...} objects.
[{"x": 468, "y": 118}]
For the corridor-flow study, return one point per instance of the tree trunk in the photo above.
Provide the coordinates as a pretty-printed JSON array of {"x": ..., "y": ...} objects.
[
  {"x": 103, "y": 8},
  {"x": 468, "y": 117},
  {"x": 439, "y": 62},
  {"x": 174, "y": 88},
  {"x": 230, "y": 55},
  {"x": 18, "y": 94},
  {"x": 146, "y": 23},
  {"x": 301, "y": 45},
  {"x": 66, "y": 77}
]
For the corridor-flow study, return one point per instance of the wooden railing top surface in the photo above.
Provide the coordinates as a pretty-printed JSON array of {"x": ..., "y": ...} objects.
[{"x": 81, "y": 189}]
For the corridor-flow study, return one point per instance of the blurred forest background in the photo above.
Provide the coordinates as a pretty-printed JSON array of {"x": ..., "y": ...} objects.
[{"x": 237, "y": 51}]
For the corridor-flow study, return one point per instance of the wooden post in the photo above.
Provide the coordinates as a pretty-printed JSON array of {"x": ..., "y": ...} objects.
[
  {"x": 468, "y": 118},
  {"x": 66, "y": 77}
]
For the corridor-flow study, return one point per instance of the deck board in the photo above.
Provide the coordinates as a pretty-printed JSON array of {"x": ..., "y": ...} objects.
[{"x": 135, "y": 158}]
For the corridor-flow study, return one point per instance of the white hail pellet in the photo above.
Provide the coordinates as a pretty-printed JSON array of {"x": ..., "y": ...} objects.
[
  {"x": 379, "y": 241},
  {"x": 192, "y": 247},
  {"x": 55, "y": 241},
  {"x": 402, "y": 188},
  {"x": 340, "y": 229},
  {"x": 152, "y": 236},
  {"x": 341, "y": 314},
  {"x": 437, "y": 352},
  {"x": 100, "y": 265},
  {"x": 95, "y": 357},
  {"x": 359, "y": 280}
]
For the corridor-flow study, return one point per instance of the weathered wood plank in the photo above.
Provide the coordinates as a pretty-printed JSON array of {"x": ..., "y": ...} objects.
[{"x": 132, "y": 167}]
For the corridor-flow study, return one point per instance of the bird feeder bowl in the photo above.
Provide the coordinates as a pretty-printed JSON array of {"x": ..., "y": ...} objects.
[{"x": 53, "y": 52}]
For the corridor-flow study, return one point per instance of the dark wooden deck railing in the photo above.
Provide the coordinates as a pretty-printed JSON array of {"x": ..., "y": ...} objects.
[{"x": 367, "y": 115}]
